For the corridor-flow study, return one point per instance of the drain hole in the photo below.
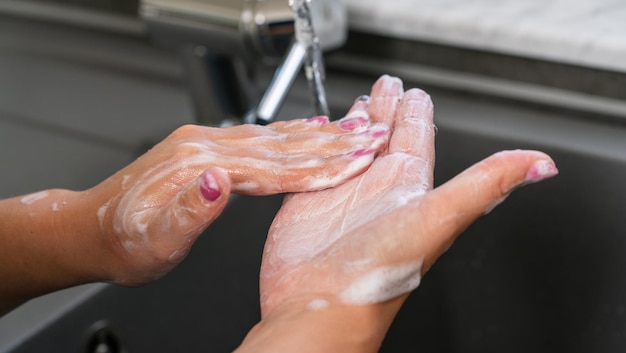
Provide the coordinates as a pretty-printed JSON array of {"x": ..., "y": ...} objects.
[{"x": 102, "y": 339}]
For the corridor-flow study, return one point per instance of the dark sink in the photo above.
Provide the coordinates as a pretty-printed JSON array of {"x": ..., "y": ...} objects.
[
  {"x": 544, "y": 272},
  {"x": 207, "y": 304},
  {"x": 541, "y": 273}
]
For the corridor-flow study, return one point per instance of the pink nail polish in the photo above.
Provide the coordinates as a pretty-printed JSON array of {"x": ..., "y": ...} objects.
[
  {"x": 376, "y": 131},
  {"x": 209, "y": 187},
  {"x": 541, "y": 170},
  {"x": 350, "y": 124},
  {"x": 363, "y": 152},
  {"x": 379, "y": 132},
  {"x": 318, "y": 120}
]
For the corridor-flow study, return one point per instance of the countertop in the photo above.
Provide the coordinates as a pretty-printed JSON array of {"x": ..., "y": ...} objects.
[{"x": 579, "y": 32}]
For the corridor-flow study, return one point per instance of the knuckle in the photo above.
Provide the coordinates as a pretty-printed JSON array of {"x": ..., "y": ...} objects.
[{"x": 185, "y": 131}]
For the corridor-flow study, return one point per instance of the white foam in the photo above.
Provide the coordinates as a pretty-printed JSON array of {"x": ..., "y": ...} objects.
[
  {"x": 383, "y": 284},
  {"x": 32, "y": 198},
  {"x": 247, "y": 186},
  {"x": 177, "y": 256},
  {"x": 125, "y": 180},
  {"x": 318, "y": 304},
  {"x": 101, "y": 213}
]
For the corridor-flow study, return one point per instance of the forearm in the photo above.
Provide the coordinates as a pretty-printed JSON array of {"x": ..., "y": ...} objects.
[
  {"x": 320, "y": 325},
  {"x": 47, "y": 244}
]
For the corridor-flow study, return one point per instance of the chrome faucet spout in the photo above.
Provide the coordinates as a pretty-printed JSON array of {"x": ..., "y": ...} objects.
[
  {"x": 278, "y": 88},
  {"x": 222, "y": 42}
]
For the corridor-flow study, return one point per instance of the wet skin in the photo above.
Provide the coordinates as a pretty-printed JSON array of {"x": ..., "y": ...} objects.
[
  {"x": 138, "y": 224},
  {"x": 371, "y": 239},
  {"x": 153, "y": 210}
]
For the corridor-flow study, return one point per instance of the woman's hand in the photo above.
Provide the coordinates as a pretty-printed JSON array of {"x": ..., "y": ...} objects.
[
  {"x": 366, "y": 244},
  {"x": 138, "y": 224},
  {"x": 153, "y": 210}
]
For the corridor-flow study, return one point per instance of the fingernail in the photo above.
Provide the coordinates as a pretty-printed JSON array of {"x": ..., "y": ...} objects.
[
  {"x": 541, "y": 170},
  {"x": 362, "y": 152},
  {"x": 354, "y": 120},
  {"x": 391, "y": 86},
  {"x": 378, "y": 131},
  {"x": 352, "y": 123},
  {"x": 363, "y": 98},
  {"x": 209, "y": 188},
  {"x": 318, "y": 120}
]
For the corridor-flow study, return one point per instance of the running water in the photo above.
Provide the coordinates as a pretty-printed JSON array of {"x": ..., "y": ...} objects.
[{"x": 314, "y": 58}]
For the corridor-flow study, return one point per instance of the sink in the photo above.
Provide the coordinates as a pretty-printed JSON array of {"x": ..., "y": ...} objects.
[
  {"x": 207, "y": 304},
  {"x": 541, "y": 273}
]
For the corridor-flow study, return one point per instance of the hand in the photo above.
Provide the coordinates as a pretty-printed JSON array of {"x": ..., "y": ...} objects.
[
  {"x": 138, "y": 224},
  {"x": 369, "y": 241},
  {"x": 153, "y": 210}
]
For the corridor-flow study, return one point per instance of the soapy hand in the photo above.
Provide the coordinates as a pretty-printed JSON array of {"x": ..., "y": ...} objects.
[
  {"x": 141, "y": 222},
  {"x": 153, "y": 210},
  {"x": 371, "y": 239}
]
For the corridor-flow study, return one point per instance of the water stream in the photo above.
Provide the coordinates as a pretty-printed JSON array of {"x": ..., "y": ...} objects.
[{"x": 314, "y": 57}]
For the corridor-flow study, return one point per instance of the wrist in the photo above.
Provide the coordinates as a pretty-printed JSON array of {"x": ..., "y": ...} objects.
[
  {"x": 93, "y": 255},
  {"x": 48, "y": 244},
  {"x": 319, "y": 324}
]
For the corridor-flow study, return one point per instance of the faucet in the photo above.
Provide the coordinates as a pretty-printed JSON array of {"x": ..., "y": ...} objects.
[{"x": 222, "y": 41}]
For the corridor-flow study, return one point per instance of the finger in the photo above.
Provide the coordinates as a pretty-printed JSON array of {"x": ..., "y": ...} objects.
[
  {"x": 311, "y": 137},
  {"x": 299, "y": 125},
  {"x": 414, "y": 132},
  {"x": 360, "y": 103},
  {"x": 295, "y": 163},
  {"x": 191, "y": 211},
  {"x": 357, "y": 119},
  {"x": 452, "y": 207},
  {"x": 384, "y": 98},
  {"x": 302, "y": 173},
  {"x": 310, "y": 144}
]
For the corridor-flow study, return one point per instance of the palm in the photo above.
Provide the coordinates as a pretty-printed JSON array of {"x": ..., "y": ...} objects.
[
  {"x": 370, "y": 239},
  {"x": 317, "y": 243},
  {"x": 320, "y": 237}
]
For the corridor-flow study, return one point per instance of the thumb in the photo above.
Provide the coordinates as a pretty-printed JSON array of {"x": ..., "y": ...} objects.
[
  {"x": 455, "y": 205},
  {"x": 196, "y": 206}
]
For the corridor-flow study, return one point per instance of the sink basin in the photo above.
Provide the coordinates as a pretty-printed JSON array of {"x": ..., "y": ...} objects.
[
  {"x": 207, "y": 304},
  {"x": 541, "y": 273}
]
